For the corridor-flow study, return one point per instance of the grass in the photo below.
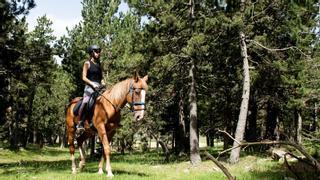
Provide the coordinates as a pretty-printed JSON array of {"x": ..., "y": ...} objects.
[{"x": 54, "y": 163}]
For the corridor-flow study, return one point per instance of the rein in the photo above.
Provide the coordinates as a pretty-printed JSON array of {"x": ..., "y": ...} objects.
[
  {"x": 114, "y": 106},
  {"x": 132, "y": 104},
  {"x": 101, "y": 94}
]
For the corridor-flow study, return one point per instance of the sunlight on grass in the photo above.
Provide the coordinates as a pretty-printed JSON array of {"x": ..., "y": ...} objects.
[{"x": 54, "y": 163}]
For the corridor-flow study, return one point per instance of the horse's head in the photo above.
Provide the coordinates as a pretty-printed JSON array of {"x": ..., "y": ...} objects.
[{"x": 137, "y": 95}]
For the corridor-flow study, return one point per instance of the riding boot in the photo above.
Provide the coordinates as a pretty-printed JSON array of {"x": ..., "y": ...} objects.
[
  {"x": 81, "y": 117},
  {"x": 80, "y": 126}
]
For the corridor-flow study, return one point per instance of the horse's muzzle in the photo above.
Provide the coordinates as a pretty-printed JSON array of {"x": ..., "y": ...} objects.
[{"x": 138, "y": 115}]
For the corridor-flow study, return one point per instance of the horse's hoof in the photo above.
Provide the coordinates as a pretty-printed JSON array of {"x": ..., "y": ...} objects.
[
  {"x": 81, "y": 167},
  {"x": 100, "y": 172},
  {"x": 110, "y": 175},
  {"x": 74, "y": 172}
]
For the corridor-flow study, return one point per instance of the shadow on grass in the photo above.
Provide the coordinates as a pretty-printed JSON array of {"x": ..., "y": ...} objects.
[
  {"x": 269, "y": 174},
  {"x": 64, "y": 166},
  {"x": 281, "y": 172},
  {"x": 94, "y": 170},
  {"x": 151, "y": 158},
  {"x": 34, "y": 166}
]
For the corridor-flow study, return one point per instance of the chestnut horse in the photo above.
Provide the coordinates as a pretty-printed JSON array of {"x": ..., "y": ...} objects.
[{"x": 106, "y": 117}]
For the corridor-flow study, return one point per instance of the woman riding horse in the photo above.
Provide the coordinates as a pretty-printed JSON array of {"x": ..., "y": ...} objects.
[{"x": 106, "y": 117}]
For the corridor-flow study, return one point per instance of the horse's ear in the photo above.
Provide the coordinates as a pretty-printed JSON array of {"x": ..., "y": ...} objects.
[
  {"x": 136, "y": 76},
  {"x": 145, "y": 78}
]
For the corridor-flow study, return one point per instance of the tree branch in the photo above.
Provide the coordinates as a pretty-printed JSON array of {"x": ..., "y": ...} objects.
[
  {"x": 282, "y": 49},
  {"x": 225, "y": 132},
  {"x": 313, "y": 161},
  {"x": 290, "y": 167},
  {"x": 224, "y": 169}
]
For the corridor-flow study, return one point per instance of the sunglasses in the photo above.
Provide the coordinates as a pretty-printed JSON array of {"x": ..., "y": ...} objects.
[{"x": 97, "y": 50}]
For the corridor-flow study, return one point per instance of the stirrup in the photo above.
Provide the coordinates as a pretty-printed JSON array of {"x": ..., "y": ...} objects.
[{"x": 80, "y": 128}]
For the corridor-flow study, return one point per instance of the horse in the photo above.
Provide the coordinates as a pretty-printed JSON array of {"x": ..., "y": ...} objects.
[{"x": 106, "y": 118}]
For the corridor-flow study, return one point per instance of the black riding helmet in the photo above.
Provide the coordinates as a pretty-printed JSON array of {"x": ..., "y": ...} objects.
[{"x": 93, "y": 47}]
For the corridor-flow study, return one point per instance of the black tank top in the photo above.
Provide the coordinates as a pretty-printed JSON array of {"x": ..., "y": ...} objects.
[{"x": 94, "y": 72}]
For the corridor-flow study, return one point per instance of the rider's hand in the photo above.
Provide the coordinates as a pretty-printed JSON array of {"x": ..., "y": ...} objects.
[
  {"x": 95, "y": 86},
  {"x": 103, "y": 83}
]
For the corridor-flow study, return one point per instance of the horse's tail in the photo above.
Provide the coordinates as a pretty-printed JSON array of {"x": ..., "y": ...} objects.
[{"x": 66, "y": 108}]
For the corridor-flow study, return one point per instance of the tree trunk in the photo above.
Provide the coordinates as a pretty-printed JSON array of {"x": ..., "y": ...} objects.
[
  {"x": 194, "y": 137},
  {"x": 164, "y": 149},
  {"x": 251, "y": 134},
  {"x": 61, "y": 141},
  {"x": 235, "y": 153},
  {"x": 65, "y": 141},
  {"x": 34, "y": 137},
  {"x": 277, "y": 130},
  {"x": 315, "y": 118},
  {"x": 227, "y": 115},
  {"x": 181, "y": 134},
  {"x": 299, "y": 128},
  {"x": 173, "y": 144},
  {"x": 29, "y": 113},
  {"x": 24, "y": 139},
  {"x": 122, "y": 146},
  {"x": 210, "y": 139},
  {"x": 271, "y": 123},
  {"x": 14, "y": 139}
]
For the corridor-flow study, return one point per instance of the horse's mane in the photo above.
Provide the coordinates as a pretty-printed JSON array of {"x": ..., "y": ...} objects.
[{"x": 119, "y": 90}]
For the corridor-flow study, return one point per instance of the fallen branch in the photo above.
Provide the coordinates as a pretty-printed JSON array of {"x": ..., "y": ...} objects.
[
  {"x": 290, "y": 168},
  {"x": 225, "y": 132},
  {"x": 224, "y": 169},
  {"x": 312, "y": 160}
]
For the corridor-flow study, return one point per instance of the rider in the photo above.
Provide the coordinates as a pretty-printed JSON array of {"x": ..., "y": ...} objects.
[{"x": 93, "y": 78}]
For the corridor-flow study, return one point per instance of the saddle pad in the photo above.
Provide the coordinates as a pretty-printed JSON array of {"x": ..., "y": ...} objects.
[
  {"x": 88, "y": 108},
  {"x": 77, "y": 107}
]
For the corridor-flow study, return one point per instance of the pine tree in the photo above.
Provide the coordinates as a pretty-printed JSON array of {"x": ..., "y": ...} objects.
[{"x": 11, "y": 36}]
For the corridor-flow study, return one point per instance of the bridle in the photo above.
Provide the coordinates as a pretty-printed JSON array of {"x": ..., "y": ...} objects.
[
  {"x": 132, "y": 91},
  {"x": 132, "y": 103}
]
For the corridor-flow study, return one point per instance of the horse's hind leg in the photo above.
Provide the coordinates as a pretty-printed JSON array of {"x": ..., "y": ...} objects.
[
  {"x": 82, "y": 162},
  {"x": 70, "y": 132},
  {"x": 82, "y": 151}
]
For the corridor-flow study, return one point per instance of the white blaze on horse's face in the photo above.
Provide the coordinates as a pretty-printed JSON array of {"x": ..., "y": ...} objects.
[{"x": 139, "y": 109}]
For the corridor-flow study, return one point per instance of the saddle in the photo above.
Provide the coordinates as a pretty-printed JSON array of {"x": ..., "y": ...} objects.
[{"x": 88, "y": 109}]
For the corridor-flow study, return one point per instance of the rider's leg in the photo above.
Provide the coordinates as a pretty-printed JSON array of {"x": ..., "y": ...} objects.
[{"x": 81, "y": 114}]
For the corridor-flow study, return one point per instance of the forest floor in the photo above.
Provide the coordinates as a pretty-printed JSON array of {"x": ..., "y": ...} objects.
[{"x": 54, "y": 163}]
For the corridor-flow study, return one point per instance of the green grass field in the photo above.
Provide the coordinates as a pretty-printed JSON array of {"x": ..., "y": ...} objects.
[{"x": 54, "y": 163}]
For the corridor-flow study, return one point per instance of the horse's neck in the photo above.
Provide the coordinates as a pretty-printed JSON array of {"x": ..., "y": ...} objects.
[{"x": 118, "y": 93}]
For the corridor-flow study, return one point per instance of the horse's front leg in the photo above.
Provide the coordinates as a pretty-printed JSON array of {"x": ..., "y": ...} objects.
[
  {"x": 102, "y": 160},
  {"x": 103, "y": 157},
  {"x": 106, "y": 147}
]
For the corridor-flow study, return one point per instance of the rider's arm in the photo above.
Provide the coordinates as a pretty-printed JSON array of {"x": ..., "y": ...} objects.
[{"x": 102, "y": 79}]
